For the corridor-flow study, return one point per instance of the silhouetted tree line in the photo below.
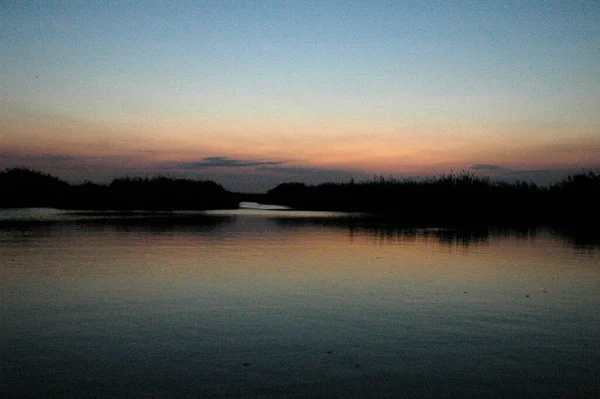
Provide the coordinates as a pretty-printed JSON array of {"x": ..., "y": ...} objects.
[
  {"x": 445, "y": 200},
  {"x": 453, "y": 199},
  {"x": 21, "y": 187}
]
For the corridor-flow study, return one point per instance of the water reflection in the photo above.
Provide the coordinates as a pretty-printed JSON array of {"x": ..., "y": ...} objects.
[
  {"x": 580, "y": 239},
  {"x": 250, "y": 304},
  {"x": 40, "y": 222},
  {"x": 584, "y": 240}
]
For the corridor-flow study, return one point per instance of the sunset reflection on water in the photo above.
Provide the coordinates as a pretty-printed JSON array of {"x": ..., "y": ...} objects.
[{"x": 266, "y": 304}]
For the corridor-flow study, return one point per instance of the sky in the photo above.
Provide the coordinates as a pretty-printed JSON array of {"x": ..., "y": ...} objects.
[{"x": 255, "y": 93}]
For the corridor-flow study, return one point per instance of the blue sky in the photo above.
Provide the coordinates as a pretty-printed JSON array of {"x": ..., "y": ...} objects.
[{"x": 292, "y": 90}]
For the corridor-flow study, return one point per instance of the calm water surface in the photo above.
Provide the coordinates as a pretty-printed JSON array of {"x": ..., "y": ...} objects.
[{"x": 273, "y": 304}]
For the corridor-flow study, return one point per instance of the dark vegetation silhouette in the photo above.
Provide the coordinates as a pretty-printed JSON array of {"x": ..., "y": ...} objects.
[
  {"x": 21, "y": 187},
  {"x": 453, "y": 200},
  {"x": 456, "y": 199}
]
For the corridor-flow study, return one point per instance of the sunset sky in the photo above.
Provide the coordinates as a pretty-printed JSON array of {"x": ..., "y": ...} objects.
[{"x": 254, "y": 93}]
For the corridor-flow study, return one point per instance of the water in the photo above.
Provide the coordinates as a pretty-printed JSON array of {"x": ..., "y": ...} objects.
[{"x": 255, "y": 303}]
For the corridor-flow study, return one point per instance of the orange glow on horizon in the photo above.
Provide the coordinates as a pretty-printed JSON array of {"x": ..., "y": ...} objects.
[{"x": 426, "y": 149}]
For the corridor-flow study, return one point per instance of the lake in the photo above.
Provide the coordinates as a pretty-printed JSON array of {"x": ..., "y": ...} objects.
[{"x": 259, "y": 303}]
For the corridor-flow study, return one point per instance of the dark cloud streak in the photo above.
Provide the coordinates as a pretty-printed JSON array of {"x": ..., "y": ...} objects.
[{"x": 225, "y": 162}]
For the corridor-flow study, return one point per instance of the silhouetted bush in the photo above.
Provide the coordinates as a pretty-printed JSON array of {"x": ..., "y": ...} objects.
[
  {"x": 23, "y": 187},
  {"x": 576, "y": 199},
  {"x": 26, "y": 188},
  {"x": 451, "y": 200},
  {"x": 166, "y": 193}
]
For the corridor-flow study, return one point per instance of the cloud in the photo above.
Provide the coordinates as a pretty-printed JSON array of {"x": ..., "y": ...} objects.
[
  {"x": 485, "y": 166},
  {"x": 304, "y": 172},
  {"x": 225, "y": 162}
]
